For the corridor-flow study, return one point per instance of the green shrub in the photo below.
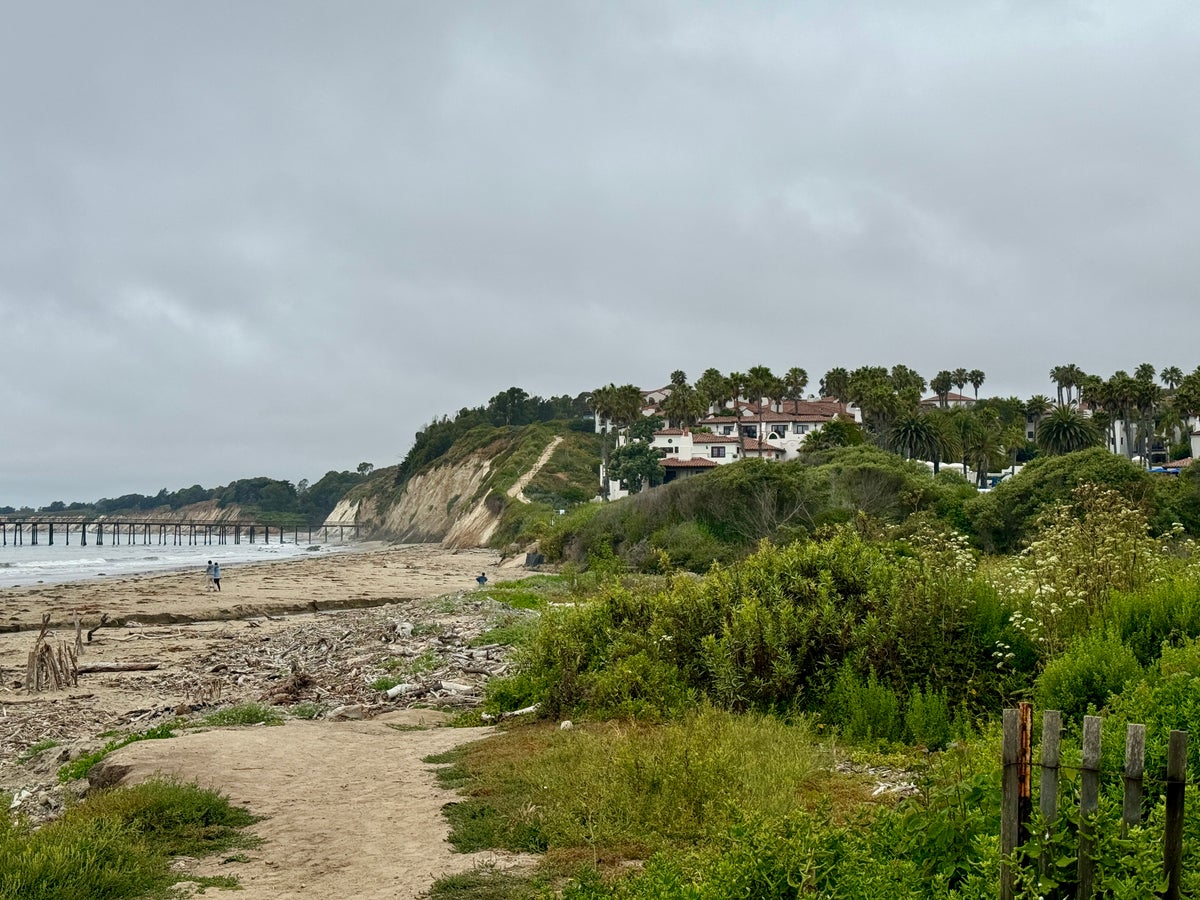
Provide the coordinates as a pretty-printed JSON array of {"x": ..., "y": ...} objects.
[
  {"x": 1165, "y": 612},
  {"x": 1093, "y": 668},
  {"x": 927, "y": 718},
  {"x": 864, "y": 711}
]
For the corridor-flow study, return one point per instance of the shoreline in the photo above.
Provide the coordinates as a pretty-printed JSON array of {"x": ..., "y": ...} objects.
[{"x": 370, "y": 575}]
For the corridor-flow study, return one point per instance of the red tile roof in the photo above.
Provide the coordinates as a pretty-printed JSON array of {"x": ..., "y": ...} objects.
[
  {"x": 688, "y": 463},
  {"x": 704, "y": 438},
  {"x": 762, "y": 446}
]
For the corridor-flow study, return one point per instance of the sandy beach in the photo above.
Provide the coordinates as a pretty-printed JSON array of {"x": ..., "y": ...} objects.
[{"x": 314, "y": 630}]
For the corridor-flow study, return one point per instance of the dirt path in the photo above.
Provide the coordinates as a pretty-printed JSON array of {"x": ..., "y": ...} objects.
[
  {"x": 351, "y": 809},
  {"x": 518, "y": 489}
]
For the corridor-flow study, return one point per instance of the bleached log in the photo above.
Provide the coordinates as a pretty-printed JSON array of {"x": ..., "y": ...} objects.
[
  {"x": 119, "y": 667},
  {"x": 488, "y": 717}
]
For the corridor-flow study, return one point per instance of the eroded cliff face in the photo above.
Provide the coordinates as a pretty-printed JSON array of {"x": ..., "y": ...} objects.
[{"x": 434, "y": 506}]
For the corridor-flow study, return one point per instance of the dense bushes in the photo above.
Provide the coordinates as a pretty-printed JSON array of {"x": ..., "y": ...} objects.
[
  {"x": 1003, "y": 518},
  {"x": 775, "y": 631},
  {"x": 724, "y": 513}
]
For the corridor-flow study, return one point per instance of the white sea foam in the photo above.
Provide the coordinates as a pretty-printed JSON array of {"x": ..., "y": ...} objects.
[{"x": 27, "y": 565}]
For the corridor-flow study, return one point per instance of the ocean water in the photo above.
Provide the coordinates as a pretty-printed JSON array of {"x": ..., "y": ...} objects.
[{"x": 45, "y": 564}]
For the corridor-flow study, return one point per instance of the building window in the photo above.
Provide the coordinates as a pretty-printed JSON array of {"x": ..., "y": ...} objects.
[
  {"x": 801, "y": 429},
  {"x": 716, "y": 452}
]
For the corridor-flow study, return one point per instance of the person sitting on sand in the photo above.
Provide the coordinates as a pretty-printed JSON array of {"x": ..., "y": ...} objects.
[
  {"x": 482, "y": 579},
  {"x": 217, "y": 576},
  {"x": 208, "y": 576}
]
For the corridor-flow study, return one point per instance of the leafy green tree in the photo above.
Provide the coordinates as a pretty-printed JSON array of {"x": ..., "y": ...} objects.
[
  {"x": 510, "y": 407},
  {"x": 1066, "y": 430},
  {"x": 636, "y": 464},
  {"x": 1171, "y": 376},
  {"x": 644, "y": 427},
  {"x": 840, "y": 431}
]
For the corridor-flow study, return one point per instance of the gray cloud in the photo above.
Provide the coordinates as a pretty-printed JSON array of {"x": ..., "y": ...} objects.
[{"x": 251, "y": 238}]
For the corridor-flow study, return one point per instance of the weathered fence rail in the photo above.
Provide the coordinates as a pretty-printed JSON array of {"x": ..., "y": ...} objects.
[
  {"x": 19, "y": 532},
  {"x": 1017, "y": 800}
]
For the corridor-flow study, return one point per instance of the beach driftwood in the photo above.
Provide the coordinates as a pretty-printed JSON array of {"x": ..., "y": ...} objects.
[
  {"x": 103, "y": 622},
  {"x": 50, "y": 667},
  {"x": 118, "y": 667}
]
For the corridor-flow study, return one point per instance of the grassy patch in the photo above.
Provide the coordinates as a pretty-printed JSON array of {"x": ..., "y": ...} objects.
[
  {"x": 486, "y": 884},
  {"x": 243, "y": 714},
  {"x": 630, "y": 789},
  {"x": 30, "y": 752},
  {"x": 308, "y": 709},
  {"x": 510, "y": 630},
  {"x": 422, "y": 664},
  {"x": 118, "y": 843},
  {"x": 79, "y": 768}
]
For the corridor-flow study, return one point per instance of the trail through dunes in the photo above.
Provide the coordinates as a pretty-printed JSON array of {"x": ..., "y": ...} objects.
[{"x": 351, "y": 810}]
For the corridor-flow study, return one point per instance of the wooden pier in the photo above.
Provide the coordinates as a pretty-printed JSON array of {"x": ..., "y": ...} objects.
[{"x": 35, "y": 531}]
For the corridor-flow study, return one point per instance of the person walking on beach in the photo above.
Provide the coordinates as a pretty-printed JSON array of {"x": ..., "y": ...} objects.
[
  {"x": 208, "y": 576},
  {"x": 216, "y": 576}
]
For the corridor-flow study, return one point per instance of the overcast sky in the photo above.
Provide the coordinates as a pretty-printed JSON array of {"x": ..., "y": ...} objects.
[{"x": 251, "y": 238}]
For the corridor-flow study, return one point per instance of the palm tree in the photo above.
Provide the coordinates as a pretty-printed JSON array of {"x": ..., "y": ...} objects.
[
  {"x": 737, "y": 387},
  {"x": 1145, "y": 373},
  {"x": 836, "y": 383},
  {"x": 1065, "y": 430},
  {"x": 713, "y": 389},
  {"x": 1075, "y": 377},
  {"x": 985, "y": 444},
  {"x": 682, "y": 407},
  {"x": 940, "y": 384},
  {"x": 1059, "y": 376},
  {"x": 1036, "y": 407},
  {"x": 761, "y": 384},
  {"x": 976, "y": 377},
  {"x": 795, "y": 380},
  {"x": 1171, "y": 376},
  {"x": 960, "y": 378},
  {"x": 913, "y": 435},
  {"x": 964, "y": 423},
  {"x": 620, "y": 406},
  {"x": 946, "y": 444}
]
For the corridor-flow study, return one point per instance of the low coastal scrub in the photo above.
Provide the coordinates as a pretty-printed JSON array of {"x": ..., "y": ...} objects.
[
  {"x": 895, "y": 644},
  {"x": 119, "y": 843}
]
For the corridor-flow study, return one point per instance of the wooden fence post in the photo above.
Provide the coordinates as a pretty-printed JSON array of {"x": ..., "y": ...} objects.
[
  {"x": 1135, "y": 765},
  {"x": 1048, "y": 789},
  {"x": 1009, "y": 802},
  {"x": 1024, "y": 770},
  {"x": 1089, "y": 802},
  {"x": 1173, "y": 827}
]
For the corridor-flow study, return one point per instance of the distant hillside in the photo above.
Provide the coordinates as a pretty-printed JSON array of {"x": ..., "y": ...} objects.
[{"x": 493, "y": 485}]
